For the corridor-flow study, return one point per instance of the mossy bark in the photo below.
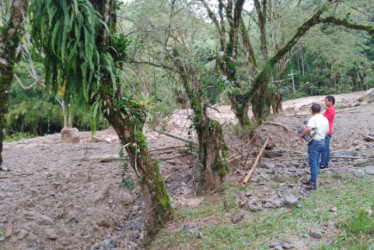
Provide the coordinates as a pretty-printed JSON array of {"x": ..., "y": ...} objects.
[
  {"x": 257, "y": 96},
  {"x": 158, "y": 210},
  {"x": 9, "y": 42},
  {"x": 212, "y": 148},
  {"x": 128, "y": 122}
]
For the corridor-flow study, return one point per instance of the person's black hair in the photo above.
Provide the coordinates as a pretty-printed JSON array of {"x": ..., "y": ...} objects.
[
  {"x": 316, "y": 108},
  {"x": 331, "y": 99}
]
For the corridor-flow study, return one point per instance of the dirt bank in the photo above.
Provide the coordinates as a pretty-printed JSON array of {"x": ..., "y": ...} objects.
[{"x": 67, "y": 196}]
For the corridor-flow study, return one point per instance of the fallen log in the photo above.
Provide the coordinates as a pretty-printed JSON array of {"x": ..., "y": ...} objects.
[
  {"x": 277, "y": 124},
  {"x": 177, "y": 137},
  {"x": 246, "y": 179}
]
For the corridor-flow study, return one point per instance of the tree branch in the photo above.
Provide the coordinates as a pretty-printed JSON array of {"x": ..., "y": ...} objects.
[
  {"x": 344, "y": 22},
  {"x": 248, "y": 46}
]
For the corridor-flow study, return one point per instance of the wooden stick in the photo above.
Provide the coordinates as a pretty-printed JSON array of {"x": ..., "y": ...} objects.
[
  {"x": 172, "y": 147},
  {"x": 177, "y": 137},
  {"x": 277, "y": 124},
  {"x": 173, "y": 157},
  {"x": 246, "y": 179}
]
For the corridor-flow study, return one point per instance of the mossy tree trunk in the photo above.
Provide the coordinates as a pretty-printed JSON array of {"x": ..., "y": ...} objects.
[
  {"x": 129, "y": 128},
  {"x": 128, "y": 118},
  {"x": 227, "y": 63},
  {"x": 213, "y": 151},
  {"x": 258, "y": 96},
  {"x": 9, "y": 43}
]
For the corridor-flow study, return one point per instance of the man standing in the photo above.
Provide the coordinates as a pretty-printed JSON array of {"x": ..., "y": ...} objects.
[
  {"x": 330, "y": 115},
  {"x": 315, "y": 147}
]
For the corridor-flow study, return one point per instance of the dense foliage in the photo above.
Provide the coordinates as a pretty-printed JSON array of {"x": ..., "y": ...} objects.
[{"x": 328, "y": 59}]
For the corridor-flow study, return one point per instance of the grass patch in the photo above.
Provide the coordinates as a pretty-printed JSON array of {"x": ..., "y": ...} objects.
[
  {"x": 357, "y": 232},
  {"x": 18, "y": 137},
  {"x": 258, "y": 229}
]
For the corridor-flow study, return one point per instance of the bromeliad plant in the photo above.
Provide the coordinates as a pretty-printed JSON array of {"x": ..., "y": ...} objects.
[
  {"x": 65, "y": 32},
  {"x": 84, "y": 58}
]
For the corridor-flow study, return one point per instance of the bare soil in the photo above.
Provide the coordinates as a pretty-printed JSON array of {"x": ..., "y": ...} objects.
[{"x": 67, "y": 196}]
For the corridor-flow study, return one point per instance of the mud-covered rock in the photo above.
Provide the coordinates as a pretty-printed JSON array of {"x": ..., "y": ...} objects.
[{"x": 70, "y": 135}]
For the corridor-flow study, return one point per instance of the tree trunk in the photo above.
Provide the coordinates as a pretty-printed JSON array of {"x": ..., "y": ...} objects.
[
  {"x": 128, "y": 119},
  {"x": 9, "y": 43},
  {"x": 212, "y": 148},
  {"x": 158, "y": 210},
  {"x": 240, "y": 110}
]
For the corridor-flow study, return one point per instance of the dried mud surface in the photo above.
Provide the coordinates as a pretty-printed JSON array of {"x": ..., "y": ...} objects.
[{"x": 68, "y": 196}]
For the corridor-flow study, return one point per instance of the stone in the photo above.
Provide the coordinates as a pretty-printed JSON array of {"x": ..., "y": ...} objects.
[
  {"x": 44, "y": 220},
  {"x": 200, "y": 235},
  {"x": 334, "y": 209},
  {"x": 344, "y": 153},
  {"x": 280, "y": 165},
  {"x": 186, "y": 227},
  {"x": 248, "y": 193},
  {"x": 292, "y": 169},
  {"x": 290, "y": 201},
  {"x": 369, "y": 170},
  {"x": 268, "y": 165},
  {"x": 288, "y": 246},
  {"x": 315, "y": 234},
  {"x": 274, "y": 244},
  {"x": 238, "y": 217},
  {"x": 70, "y": 135},
  {"x": 269, "y": 205},
  {"x": 51, "y": 234},
  {"x": 358, "y": 173},
  {"x": 126, "y": 199},
  {"x": 253, "y": 208},
  {"x": 278, "y": 248}
]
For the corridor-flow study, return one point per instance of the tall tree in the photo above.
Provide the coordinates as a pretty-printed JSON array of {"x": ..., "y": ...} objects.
[
  {"x": 176, "y": 36},
  {"x": 84, "y": 57},
  {"x": 257, "y": 93},
  {"x": 9, "y": 47}
]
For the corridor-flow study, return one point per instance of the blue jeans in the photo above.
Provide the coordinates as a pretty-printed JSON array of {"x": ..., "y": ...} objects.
[
  {"x": 325, "y": 159},
  {"x": 315, "y": 149}
]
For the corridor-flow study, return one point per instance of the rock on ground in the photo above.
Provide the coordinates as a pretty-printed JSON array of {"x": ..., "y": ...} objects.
[
  {"x": 369, "y": 170},
  {"x": 70, "y": 135},
  {"x": 238, "y": 217},
  {"x": 290, "y": 201},
  {"x": 358, "y": 173},
  {"x": 315, "y": 234}
]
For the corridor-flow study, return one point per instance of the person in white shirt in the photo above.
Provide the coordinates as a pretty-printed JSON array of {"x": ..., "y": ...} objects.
[{"x": 316, "y": 146}]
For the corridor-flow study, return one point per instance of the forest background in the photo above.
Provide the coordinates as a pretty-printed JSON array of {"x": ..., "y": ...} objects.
[{"x": 328, "y": 59}]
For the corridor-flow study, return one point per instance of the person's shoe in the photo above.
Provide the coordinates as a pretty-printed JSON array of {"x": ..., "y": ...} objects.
[
  {"x": 306, "y": 182},
  {"x": 311, "y": 186},
  {"x": 323, "y": 167}
]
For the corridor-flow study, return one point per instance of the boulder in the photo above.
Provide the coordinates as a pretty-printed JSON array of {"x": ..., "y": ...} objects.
[
  {"x": 290, "y": 201},
  {"x": 369, "y": 170},
  {"x": 358, "y": 173},
  {"x": 70, "y": 135},
  {"x": 344, "y": 153},
  {"x": 238, "y": 217},
  {"x": 315, "y": 234}
]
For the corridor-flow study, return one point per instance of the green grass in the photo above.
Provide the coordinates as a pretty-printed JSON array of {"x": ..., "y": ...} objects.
[
  {"x": 18, "y": 137},
  {"x": 258, "y": 229}
]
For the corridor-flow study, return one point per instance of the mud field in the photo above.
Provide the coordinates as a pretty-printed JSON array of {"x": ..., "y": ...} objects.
[{"x": 67, "y": 196}]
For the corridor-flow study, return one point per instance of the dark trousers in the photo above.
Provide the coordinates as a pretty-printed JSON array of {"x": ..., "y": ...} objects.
[
  {"x": 325, "y": 158},
  {"x": 315, "y": 149}
]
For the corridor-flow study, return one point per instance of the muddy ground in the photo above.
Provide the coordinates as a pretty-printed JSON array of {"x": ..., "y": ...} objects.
[{"x": 67, "y": 196}]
